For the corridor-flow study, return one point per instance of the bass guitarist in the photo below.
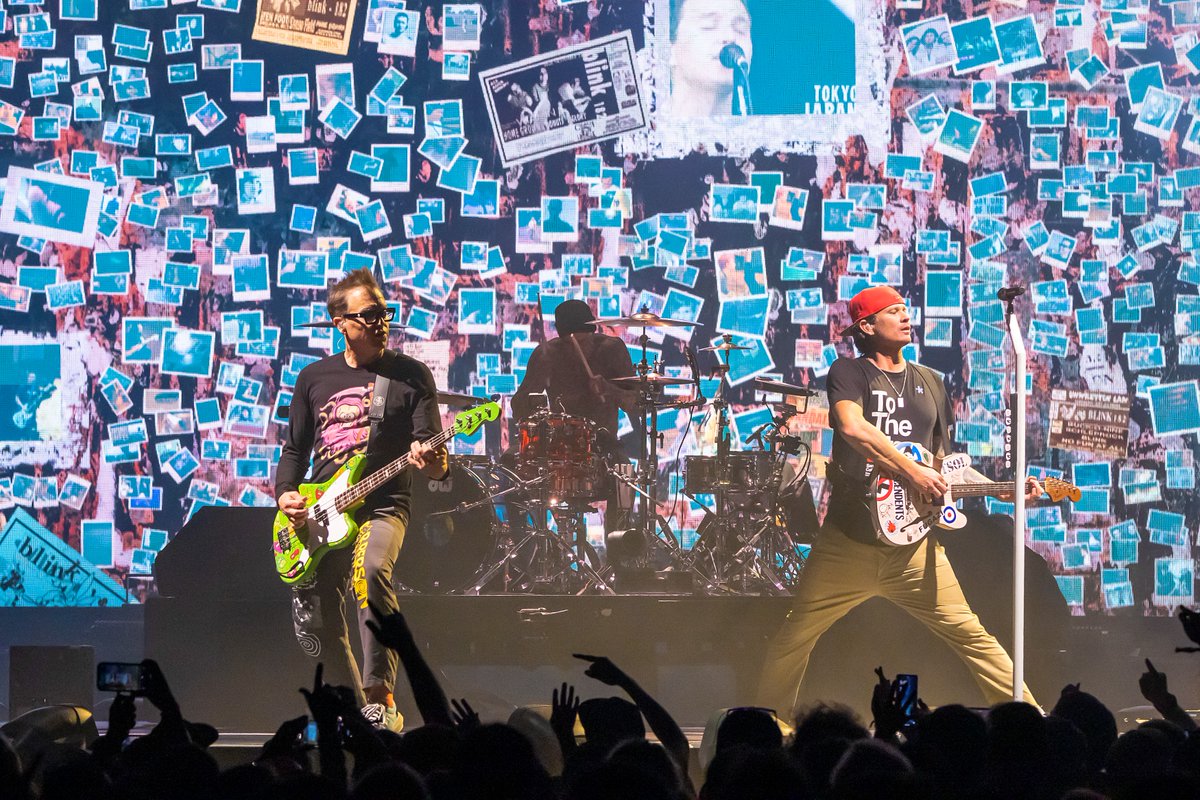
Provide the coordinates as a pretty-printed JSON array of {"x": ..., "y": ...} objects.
[
  {"x": 329, "y": 421},
  {"x": 874, "y": 401}
]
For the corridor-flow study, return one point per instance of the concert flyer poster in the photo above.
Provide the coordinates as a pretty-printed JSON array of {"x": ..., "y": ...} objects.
[
  {"x": 560, "y": 100},
  {"x": 322, "y": 25}
]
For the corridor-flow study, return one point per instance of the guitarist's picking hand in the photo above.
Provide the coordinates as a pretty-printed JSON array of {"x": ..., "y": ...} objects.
[
  {"x": 292, "y": 504},
  {"x": 927, "y": 482}
]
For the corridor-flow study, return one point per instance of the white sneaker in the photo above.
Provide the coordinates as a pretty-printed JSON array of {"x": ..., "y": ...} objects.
[{"x": 384, "y": 718}]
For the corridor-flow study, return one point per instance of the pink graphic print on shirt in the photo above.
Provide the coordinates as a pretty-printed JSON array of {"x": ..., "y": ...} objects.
[{"x": 344, "y": 424}]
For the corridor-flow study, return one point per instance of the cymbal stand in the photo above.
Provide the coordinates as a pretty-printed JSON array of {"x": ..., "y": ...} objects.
[
  {"x": 715, "y": 529},
  {"x": 770, "y": 557},
  {"x": 553, "y": 559},
  {"x": 650, "y": 522}
]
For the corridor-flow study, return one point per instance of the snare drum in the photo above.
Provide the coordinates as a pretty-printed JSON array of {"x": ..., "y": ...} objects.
[
  {"x": 446, "y": 552},
  {"x": 563, "y": 449}
]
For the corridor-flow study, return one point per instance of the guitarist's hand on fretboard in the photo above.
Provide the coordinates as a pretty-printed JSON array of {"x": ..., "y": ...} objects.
[{"x": 1033, "y": 491}]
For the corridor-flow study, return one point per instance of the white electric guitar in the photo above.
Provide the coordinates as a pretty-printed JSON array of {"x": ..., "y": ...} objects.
[{"x": 902, "y": 518}]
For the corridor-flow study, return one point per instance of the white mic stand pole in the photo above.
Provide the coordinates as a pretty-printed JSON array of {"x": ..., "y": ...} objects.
[{"x": 1016, "y": 433}]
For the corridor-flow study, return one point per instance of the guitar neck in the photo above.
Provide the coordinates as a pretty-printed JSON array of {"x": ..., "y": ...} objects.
[
  {"x": 986, "y": 489},
  {"x": 372, "y": 482}
]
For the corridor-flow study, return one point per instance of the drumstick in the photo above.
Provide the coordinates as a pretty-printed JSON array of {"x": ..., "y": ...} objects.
[{"x": 586, "y": 366}]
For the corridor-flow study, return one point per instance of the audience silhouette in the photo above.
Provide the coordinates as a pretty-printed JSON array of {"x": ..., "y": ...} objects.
[{"x": 949, "y": 753}]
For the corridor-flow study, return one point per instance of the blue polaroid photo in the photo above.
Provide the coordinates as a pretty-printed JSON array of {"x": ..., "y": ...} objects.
[
  {"x": 394, "y": 168},
  {"x": 560, "y": 219},
  {"x": 181, "y": 73},
  {"x": 246, "y": 81},
  {"x": 477, "y": 311},
  {"x": 462, "y": 174},
  {"x": 443, "y": 118},
  {"x": 442, "y": 151},
  {"x": 835, "y": 220},
  {"x": 734, "y": 203},
  {"x": 435, "y": 207},
  {"x": 484, "y": 201},
  {"x": 188, "y": 352},
  {"x": 304, "y": 218},
  {"x": 56, "y": 208}
]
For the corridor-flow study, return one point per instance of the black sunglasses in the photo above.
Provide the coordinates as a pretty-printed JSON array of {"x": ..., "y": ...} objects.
[{"x": 370, "y": 316}]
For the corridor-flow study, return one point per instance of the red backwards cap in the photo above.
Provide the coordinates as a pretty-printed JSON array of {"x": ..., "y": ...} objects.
[{"x": 870, "y": 301}]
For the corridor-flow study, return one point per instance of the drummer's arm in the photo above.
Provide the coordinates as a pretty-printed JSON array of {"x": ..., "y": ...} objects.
[{"x": 617, "y": 364}]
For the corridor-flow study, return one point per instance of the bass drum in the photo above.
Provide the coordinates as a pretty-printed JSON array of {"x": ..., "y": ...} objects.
[{"x": 443, "y": 553}]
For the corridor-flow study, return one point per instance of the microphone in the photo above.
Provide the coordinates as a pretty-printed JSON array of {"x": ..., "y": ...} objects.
[
  {"x": 1009, "y": 293},
  {"x": 734, "y": 57}
]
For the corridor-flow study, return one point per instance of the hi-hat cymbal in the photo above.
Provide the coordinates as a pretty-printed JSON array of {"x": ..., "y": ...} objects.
[
  {"x": 458, "y": 399},
  {"x": 723, "y": 347},
  {"x": 645, "y": 319},
  {"x": 768, "y": 385},
  {"x": 650, "y": 379}
]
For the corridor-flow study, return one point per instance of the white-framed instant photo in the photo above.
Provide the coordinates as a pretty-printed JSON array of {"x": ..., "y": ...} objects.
[{"x": 57, "y": 208}]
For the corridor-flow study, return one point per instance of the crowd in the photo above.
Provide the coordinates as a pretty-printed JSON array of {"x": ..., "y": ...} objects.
[{"x": 598, "y": 749}]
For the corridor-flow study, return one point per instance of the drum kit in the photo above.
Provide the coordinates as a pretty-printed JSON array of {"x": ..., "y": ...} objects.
[{"x": 518, "y": 524}]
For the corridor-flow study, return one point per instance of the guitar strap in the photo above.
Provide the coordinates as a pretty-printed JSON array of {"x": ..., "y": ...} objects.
[{"x": 379, "y": 398}]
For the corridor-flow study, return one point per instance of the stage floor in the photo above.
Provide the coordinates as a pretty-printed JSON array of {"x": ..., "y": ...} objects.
[{"x": 234, "y": 663}]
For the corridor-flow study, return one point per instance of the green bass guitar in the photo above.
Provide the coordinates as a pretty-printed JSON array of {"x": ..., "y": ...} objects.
[{"x": 330, "y": 523}]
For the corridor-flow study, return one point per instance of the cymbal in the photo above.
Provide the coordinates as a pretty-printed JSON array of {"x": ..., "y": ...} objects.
[
  {"x": 650, "y": 379},
  {"x": 767, "y": 385},
  {"x": 724, "y": 347},
  {"x": 458, "y": 399},
  {"x": 645, "y": 319}
]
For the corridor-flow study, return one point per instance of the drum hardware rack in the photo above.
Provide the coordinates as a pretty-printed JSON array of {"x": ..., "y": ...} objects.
[{"x": 742, "y": 546}]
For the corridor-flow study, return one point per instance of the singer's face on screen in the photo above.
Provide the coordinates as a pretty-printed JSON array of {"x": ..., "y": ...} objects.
[{"x": 705, "y": 27}]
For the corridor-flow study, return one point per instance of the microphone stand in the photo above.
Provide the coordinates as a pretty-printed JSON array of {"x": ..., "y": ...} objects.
[
  {"x": 740, "y": 102},
  {"x": 1016, "y": 451}
]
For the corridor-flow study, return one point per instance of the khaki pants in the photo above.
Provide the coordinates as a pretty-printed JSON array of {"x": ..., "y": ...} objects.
[{"x": 841, "y": 574}]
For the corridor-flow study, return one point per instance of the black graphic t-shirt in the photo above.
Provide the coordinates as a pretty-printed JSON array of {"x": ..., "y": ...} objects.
[
  {"x": 329, "y": 420},
  {"x": 902, "y": 405}
]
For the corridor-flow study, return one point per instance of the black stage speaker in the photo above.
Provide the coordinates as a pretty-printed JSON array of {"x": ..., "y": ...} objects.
[
  {"x": 221, "y": 554},
  {"x": 49, "y": 675}
]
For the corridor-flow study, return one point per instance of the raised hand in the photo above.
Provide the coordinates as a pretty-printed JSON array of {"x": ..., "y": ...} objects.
[
  {"x": 564, "y": 707},
  {"x": 465, "y": 718},
  {"x": 602, "y": 669},
  {"x": 287, "y": 738},
  {"x": 1191, "y": 623},
  {"x": 885, "y": 706},
  {"x": 122, "y": 716},
  {"x": 390, "y": 629},
  {"x": 156, "y": 689},
  {"x": 1154, "y": 687},
  {"x": 323, "y": 700}
]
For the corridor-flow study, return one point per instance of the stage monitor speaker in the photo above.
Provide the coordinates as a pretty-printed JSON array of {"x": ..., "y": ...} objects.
[
  {"x": 41, "y": 675},
  {"x": 222, "y": 553}
]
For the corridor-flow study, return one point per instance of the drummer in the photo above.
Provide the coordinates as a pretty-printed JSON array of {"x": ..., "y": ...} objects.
[{"x": 575, "y": 379}]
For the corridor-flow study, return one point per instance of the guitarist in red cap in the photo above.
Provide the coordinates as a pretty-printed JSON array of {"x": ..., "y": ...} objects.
[{"x": 876, "y": 400}]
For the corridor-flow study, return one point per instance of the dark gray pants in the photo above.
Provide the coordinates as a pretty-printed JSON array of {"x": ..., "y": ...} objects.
[{"x": 361, "y": 574}]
